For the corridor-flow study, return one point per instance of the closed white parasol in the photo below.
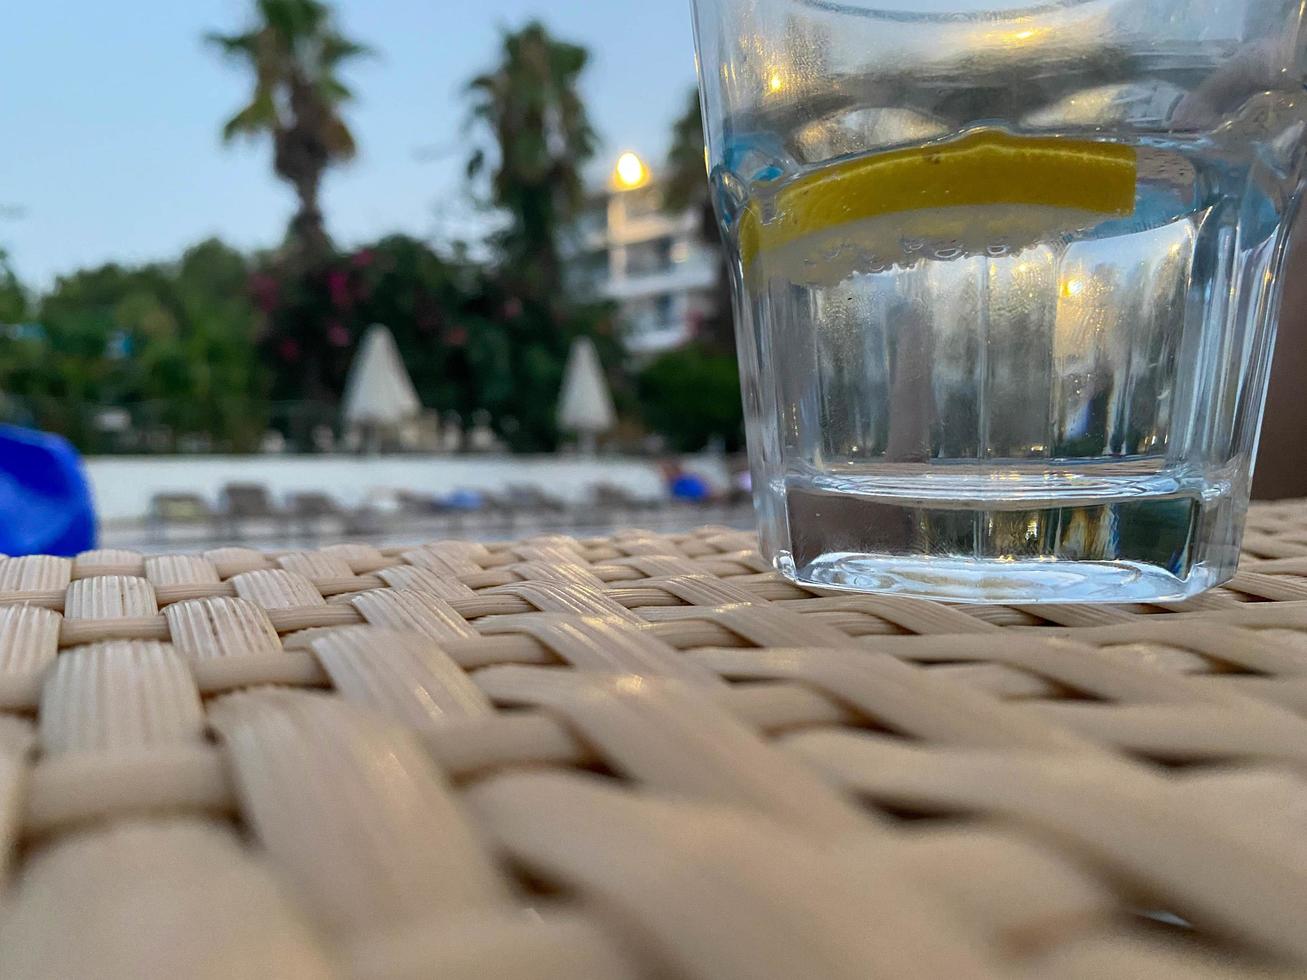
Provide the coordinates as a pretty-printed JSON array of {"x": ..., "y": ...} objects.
[
  {"x": 585, "y": 407},
  {"x": 379, "y": 392}
]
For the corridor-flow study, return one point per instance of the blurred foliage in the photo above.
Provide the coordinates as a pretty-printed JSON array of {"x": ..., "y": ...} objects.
[
  {"x": 294, "y": 54},
  {"x": 427, "y": 301},
  {"x": 493, "y": 337},
  {"x": 198, "y": 352},
  {"x": 686, "y": 185},
  {"x": 691, "y": 396},
  {"x": 468, "y": 343},
  {"x": 687, "y": 188},
  {"x": 529, "y": 107},
  {"x": 14, "y": 300},
  {"x": 174, "y": 337},
  {"x": 454, "y": 330}
]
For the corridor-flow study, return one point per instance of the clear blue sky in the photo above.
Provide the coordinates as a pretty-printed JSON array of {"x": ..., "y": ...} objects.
[{"x": 109, "y": 118}]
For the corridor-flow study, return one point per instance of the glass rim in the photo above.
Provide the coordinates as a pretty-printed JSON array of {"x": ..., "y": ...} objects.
[{"x": 865, "y": 8}]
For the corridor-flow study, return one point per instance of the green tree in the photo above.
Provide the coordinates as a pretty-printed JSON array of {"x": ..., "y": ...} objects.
[
  {"x": 15, "y": 301},
  {"x": 686, "y": 183},
  {"x": 223, "y": 370},
  {"x": 540, "y": 135},
  {"x": 98, "y": 324},
  {"x": 542, "y": 139},
  {"x": 456, "y": 358},
  {"x": 686, "y": 188},
  {"x": 171, "y": 343},
  {"x": 692, "y": 395},
  {"x": 295, "y": 54}
]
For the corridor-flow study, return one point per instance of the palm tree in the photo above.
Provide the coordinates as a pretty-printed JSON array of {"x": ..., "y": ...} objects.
[
  {"x": 295, "y": 53},
  {"x": 543, "y": 138}
]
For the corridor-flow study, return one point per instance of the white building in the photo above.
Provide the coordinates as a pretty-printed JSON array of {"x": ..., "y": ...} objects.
[{"x": 656, "y": 265}]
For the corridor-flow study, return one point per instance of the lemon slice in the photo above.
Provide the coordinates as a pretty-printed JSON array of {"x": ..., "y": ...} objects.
[{"x": 985, "y": 186}]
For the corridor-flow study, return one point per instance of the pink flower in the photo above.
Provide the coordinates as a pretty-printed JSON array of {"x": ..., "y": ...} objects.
[
  {"x": 289, "y": 350},
  {"x": 512, "y": 308},
  {"x": 338, "y": 287},
  {"x": 337, "y": 335},
  {"x": 363, "y": 258},
  {"x": 457, "y": 336}
]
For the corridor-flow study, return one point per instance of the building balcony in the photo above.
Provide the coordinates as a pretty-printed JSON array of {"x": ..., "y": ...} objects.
[
  {"x": 649, "y": 227},
  {"x": 698, "y": 271},
  {"x": 646, "y": 337}
]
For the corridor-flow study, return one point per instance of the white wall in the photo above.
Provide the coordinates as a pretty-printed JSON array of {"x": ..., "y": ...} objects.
[{"x": 123, "y": 485}]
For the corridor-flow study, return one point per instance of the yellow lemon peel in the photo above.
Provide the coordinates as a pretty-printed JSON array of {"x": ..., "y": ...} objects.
[{"x": 981, "y": 169}]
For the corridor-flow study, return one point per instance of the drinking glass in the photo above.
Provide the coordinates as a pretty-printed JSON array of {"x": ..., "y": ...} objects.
[{"x": 1005, "y": 283}]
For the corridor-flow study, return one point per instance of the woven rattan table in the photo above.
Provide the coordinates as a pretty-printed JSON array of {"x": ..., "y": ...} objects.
[{"x": 643, "y": 756}]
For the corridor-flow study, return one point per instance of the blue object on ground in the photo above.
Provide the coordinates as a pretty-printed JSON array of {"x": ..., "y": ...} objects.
[
  {"x": 465, "y": 500},
  {"x": 689, "y": 487},
  {"x": 45, "y": 500}
]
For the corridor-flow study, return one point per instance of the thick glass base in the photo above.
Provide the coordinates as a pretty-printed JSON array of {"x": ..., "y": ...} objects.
[
  {"x": 992, "y": 580},
  {"x": 1013, "y": 535}
]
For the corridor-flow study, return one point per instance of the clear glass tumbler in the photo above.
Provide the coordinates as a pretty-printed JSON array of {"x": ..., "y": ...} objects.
[{"x": 1005, "y": 282}]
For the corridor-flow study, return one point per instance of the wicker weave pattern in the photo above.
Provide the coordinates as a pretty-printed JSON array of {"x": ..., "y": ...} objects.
[{"x": 644, "y": 756}]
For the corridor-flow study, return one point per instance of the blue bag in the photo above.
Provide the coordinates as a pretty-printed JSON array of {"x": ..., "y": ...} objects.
[{"x": 45, "y": 500}]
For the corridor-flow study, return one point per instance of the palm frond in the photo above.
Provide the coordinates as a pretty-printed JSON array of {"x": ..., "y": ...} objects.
[
  {"x": 336, "y": 50},
  {"x": 234, "y": 45},
  {"x": 487, "y": 85},
  {"x": 686, "y": 184},
  {"x": 338, "y": 140},
  {"x": 258, "y": 117},
  {"x": 334, "y": 91},
  {"x": 294, "y": 20}
]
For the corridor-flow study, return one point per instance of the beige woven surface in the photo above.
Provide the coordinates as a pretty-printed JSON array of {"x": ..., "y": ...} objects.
[{"x": 643, "y": 756}]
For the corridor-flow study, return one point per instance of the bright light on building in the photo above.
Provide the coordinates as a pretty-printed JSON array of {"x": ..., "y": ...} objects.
[
  {"x": 630, "y": 172},
  {"x": 775, "y": 82},
  {"x": 653, "y": 261}
]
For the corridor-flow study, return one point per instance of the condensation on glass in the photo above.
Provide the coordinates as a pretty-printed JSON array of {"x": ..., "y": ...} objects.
[{"x": 1035, "y": 372}]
